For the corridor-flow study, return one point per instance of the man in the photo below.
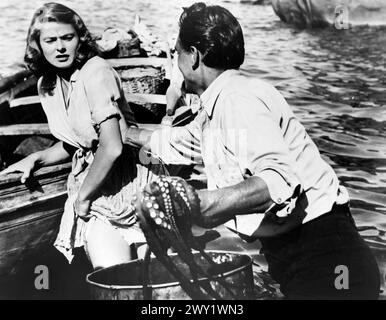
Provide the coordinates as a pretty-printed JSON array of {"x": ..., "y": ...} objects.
[{"x": 266, "y": 178}]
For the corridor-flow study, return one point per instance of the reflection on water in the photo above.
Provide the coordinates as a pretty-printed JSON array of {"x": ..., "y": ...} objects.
[{"x": 334, "y": 79}]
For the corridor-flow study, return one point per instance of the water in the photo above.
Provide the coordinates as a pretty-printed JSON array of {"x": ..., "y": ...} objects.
[{"x": 334, "y": 80}]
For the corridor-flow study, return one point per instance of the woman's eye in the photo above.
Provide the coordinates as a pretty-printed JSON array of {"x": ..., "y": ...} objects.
[
  {"x": 68, "y": 38},
  {"x": 49, "y": 40}
]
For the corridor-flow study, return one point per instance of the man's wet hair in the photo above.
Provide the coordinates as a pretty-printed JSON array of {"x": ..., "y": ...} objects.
[{"x": 215, "y": 32}]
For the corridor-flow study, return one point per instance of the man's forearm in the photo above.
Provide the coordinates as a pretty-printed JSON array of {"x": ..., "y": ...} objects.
[
  {"x": 137, "y": 137},
  {"x": 219, "y": 206}
]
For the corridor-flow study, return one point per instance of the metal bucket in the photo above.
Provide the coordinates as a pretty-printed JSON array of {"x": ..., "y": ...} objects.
[{"x": 124, "y": 281}]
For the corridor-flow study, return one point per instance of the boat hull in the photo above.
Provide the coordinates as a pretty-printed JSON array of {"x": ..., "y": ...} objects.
[
  {"x": 27, "y": 236},
  {"x": 337, "y": 13},
  {"x": 29, "y": 216}
]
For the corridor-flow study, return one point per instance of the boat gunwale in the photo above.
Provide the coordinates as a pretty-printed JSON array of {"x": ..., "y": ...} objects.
[
  {"x": 15, "y": 177},
  {"x": 13, "y": 84}
]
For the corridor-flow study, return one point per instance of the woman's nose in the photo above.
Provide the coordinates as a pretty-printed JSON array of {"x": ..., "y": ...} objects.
[{"x": 60, "y": 46}]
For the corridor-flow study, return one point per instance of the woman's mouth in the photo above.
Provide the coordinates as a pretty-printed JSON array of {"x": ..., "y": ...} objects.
[{"x": 62, "y": 57}]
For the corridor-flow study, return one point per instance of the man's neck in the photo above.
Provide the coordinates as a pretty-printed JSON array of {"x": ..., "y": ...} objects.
[{"x": 209, "y": 75}]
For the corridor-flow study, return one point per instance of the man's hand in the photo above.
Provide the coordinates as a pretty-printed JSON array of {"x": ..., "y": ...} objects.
[
  {"x": 173, "y": 95},
  {"x": 167, "y": 121}
]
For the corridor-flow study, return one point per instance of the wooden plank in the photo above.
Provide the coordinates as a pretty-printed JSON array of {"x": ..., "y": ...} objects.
[
  {"x": 24, "y": 101},
  {"x": 17, "y": 206},
  {"x": 182, "y": 114},
  {"x": 39, "y": 174},
  {"x": 131, "y": 97},
  {"x": 47, "y": 184},
  {"x": 138, "y": 62},
  {"x": 25, "y": 129},
  {"x": 143, "y": 98},
  {"x": 12, "y": 85},
  {"x": 11, "y": 81}
]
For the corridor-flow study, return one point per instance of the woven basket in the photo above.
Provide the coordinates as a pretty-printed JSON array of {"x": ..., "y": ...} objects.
[{"x": 143, "y": 80}]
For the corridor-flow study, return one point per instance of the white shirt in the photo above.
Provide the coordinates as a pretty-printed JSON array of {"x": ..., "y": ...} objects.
[{"x": 245, "y": 125}]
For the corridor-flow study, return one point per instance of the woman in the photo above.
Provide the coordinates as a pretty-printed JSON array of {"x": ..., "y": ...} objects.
[{"x": 86, "y": 110}]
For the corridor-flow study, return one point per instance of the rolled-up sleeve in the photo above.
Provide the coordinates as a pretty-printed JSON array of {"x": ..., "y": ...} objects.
[
  {"x": 103, "y": 91},
  {"x": 262, "y": 151},
  {"x": 178, "y": 145}
]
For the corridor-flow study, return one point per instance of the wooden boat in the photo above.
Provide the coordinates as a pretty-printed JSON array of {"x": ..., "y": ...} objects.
[
  {"x": 30, "y": 213},
  {"x": 333, "y": 13}
]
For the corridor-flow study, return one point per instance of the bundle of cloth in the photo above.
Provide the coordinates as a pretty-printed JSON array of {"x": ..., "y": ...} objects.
[{"x": 137, "y": 41}]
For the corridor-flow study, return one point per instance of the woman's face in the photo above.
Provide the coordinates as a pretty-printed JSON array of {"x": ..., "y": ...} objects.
[{"x": 59, "y": 43}]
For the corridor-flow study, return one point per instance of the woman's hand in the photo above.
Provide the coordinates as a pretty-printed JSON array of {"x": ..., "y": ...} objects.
[
  {"x": 82, "y": 208},
  {"x": 25, "y": 166},
  {"x": 53, "y": 155}
]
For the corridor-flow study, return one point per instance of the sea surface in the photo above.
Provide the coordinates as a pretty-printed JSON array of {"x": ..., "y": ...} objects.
[{"x": 335, "y": 80}]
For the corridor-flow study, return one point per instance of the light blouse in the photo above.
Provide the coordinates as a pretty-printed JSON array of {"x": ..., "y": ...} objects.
[{"x": 94, "y": 95}]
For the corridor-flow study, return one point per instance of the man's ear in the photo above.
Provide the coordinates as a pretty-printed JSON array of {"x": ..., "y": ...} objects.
[{"x": 195, "y": 56}]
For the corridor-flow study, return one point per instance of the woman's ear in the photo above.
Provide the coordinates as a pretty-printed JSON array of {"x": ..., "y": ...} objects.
[
  {"x": 35, "y": 44},
  {"x": 195, "y": 57}
]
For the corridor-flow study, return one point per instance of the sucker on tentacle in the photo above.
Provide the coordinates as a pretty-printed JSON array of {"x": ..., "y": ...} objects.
[{"x": 166, "y": 213}]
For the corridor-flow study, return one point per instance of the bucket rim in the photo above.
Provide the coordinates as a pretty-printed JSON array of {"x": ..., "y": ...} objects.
[{"x": 174, "y": 283}]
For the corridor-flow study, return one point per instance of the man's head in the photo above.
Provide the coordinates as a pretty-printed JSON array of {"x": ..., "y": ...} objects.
[{"x": 210, "y": 38}]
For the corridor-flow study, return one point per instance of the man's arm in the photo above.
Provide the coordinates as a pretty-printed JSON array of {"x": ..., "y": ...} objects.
[
  {"x": 173, "y": 145},
  {"x": 219, "y": 206},
  {"x": 137, "y": 137},
  {"x": 260, "y": 150}
]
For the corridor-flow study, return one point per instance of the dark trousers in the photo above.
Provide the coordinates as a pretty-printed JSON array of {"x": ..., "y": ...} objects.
[{"x": 325, "y": 258}]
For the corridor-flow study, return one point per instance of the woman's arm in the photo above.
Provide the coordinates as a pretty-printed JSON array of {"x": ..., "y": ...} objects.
[
  {"x": 110, "y": 148},
  {"x": 53, "y": 155}
]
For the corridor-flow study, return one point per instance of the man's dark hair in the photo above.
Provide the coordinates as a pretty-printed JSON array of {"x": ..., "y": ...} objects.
[{"x": 215, "y": 32}]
